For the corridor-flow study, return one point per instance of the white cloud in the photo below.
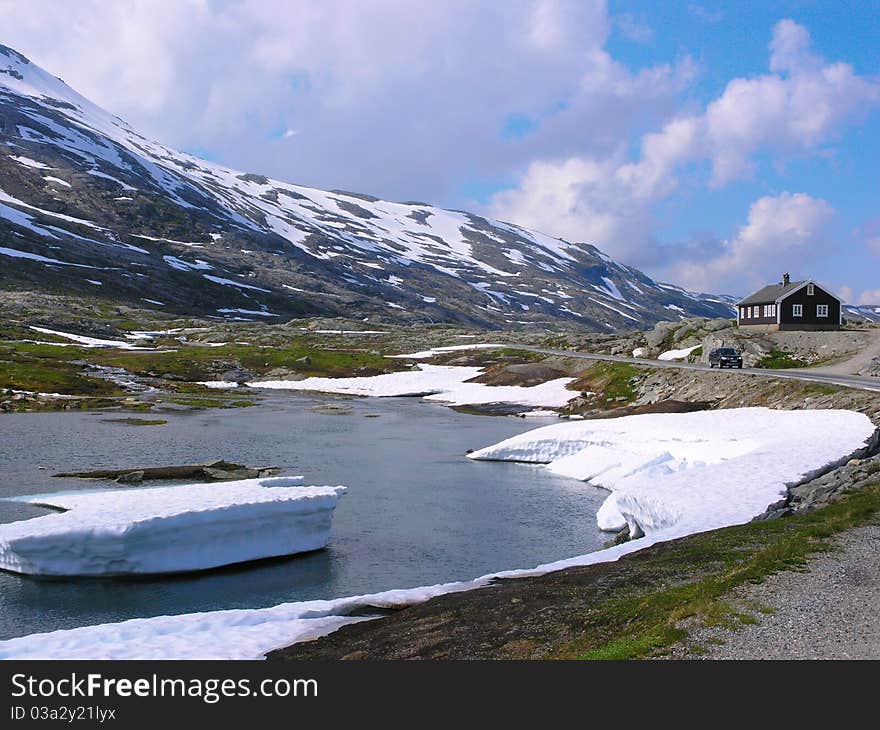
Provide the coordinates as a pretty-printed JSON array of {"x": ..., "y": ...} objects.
[
  {"x": 805, "y": 103},
  {"x": 610, "y": 200},
  {"x": 579, "y": 199},
  {"x": 870, "y": 296},
  {"x": 783, "y": 233},
  {"x": 393, "y": 99}
]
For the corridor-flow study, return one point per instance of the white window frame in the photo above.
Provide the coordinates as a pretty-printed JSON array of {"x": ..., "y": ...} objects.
[
  {"x": 750, "y": 313},
  {"x": 811, "y": 290},
  {"x": 797, "y": 310},
  {"x": 821, "y": 310}
]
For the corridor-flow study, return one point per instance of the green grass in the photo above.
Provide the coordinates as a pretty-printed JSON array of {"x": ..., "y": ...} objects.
[
  {"x": 611, "y": 381},
  {"x": 689, "y": 579},
  {"x": 43, "y": 369},
  {"x": 695, "y": 354},
  {"x": 195, "y": 363},
  {"x": 780, "y": 360},
  {"x": 50, "y": 369}
]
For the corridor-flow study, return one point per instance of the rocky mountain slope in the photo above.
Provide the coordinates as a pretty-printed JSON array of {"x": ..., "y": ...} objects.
[
  {"x": 862, "y": 313},
  {"x": 89, "y": 206}
]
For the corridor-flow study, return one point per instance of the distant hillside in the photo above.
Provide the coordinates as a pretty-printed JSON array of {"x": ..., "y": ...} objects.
[
  {"x": 863, "y": 313},
  {"x": 89, "y": 206}
]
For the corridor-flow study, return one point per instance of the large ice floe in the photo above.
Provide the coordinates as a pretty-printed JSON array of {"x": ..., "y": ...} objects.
[
  {"x": 169, "y": 529},
  {"x": 444, "y": 383},
  {"x": 672, "y": 475}
]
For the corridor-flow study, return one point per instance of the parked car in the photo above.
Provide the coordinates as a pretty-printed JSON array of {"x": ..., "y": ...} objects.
[{"x": 725, "y": 357}]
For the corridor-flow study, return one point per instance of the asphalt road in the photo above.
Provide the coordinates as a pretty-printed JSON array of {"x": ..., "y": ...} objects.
[{"x": 849, "y": 381}]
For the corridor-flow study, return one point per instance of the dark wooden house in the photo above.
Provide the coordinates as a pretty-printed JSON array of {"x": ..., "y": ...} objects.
[{"x": 791, "y": 305}]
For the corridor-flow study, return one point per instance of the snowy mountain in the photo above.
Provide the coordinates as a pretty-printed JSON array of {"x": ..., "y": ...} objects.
[
  {"x": 89, "y": 206},
  {"x": 863, "y": 313}
]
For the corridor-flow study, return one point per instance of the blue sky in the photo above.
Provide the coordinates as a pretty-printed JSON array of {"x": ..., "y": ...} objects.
[{"x": 712, "y": 144}]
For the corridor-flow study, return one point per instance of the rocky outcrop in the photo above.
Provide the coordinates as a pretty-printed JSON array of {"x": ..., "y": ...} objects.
[
  {"x": 817, "y": 490},
  {"x": 214, "y": 471}
]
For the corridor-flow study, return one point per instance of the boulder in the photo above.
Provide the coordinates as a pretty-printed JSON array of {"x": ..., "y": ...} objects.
[
  {"x": 714, "y": 325},
  {"x": 660, "y": 334}
]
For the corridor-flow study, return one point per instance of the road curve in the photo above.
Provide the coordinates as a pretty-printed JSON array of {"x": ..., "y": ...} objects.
[{"x": 848, "y": 381}]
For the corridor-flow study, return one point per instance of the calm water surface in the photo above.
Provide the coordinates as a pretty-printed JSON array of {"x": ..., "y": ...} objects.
[{"x": 417, "y": 511}]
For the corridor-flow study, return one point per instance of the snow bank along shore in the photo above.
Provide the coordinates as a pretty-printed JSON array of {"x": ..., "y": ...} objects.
[
  {"x": 671, "y": 475},
  {"x": 169, "y": 529},
  {"x": 692, "y": 471},
  {"x": 443, "y": 383}
]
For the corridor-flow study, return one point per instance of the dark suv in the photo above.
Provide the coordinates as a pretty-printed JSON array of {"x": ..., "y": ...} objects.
[{"x": 725, "y": 356}]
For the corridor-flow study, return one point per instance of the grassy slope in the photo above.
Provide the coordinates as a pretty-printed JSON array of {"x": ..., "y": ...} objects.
[
  {"x": 643, "y": 621},
  {"x": 635, "y": 607}
]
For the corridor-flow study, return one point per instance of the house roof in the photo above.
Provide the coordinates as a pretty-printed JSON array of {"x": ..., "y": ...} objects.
[{"x": 772, "y": 293}]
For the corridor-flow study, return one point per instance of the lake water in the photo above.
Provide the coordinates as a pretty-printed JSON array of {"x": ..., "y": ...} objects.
[{"x": 417, "y": 511}]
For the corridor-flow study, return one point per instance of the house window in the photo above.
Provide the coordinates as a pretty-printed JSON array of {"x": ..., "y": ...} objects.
[
  {"x": 750, "y": 312},
  {"x": 797, "y": 310},
  {"x": 772, "y": 310},
  {"x": 821, "y": 310},
  {"x": 742, "y": 312},
  {"x": 811, "y": 290}
]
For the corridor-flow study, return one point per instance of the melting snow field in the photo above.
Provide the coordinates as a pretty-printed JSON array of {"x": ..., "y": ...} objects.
[
  {"x": 443, "y": 383},
  {"x": 691, "y": 471},
  {"x": 670, "y": 475},
  {"x": 169, "y": 529},
  {"x": 673, "y": 354}
]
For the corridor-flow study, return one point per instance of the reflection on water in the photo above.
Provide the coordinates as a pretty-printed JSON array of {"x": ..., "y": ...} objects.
[{"x": 417, "y": 511}]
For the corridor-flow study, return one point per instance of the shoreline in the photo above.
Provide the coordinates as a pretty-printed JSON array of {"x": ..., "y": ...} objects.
[{"x": 593, "y": 611}]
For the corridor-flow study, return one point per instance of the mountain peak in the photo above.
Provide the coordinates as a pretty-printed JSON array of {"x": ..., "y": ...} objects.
[{"x": 88, "y": 205}]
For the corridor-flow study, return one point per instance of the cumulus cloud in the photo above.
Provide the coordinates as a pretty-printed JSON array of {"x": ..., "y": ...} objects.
[
  {"x": 870, "y": 296},
  {"x": 579, "y": 199},
  {"x": 384, "y": 98},
  {"x": 804, "y": 103},
  {"x": 781, "y": 231}
]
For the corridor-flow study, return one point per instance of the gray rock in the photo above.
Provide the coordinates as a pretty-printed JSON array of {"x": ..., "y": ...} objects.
[
  {"x": 132, "y": 477},
  {"x": 660, "y": 334},
  {"x": 715, "y": 325}
]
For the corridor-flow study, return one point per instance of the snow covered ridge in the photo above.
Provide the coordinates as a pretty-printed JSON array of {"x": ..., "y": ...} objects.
[
  {"x": 690, "y": 472},
  {"x": 443, "y": 383},
  {"x": 412, "y": 260},
  {"x": 87, "y": 341},
  {"x": 169, "y": 529}
]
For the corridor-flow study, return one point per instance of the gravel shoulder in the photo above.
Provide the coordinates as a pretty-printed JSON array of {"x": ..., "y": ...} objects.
[
  {"x": 864, "y": 362},
  {"x": 829, "y": 611}
]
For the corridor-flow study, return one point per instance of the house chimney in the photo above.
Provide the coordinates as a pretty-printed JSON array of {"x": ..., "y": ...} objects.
[{"x": 786, "y": 279}]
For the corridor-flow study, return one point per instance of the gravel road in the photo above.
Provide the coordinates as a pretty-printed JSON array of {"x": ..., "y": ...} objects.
[
  {"x": 864, "y": 362},
  {"x": 832, "y": 611}
]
